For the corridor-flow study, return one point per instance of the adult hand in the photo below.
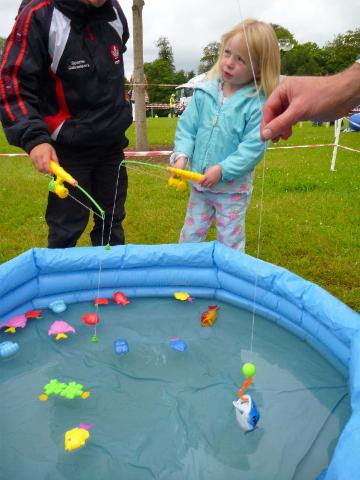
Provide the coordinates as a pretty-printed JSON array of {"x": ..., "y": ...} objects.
[
  {"x": 309, "y": 98},
  {"x": 211, "y": 177},
  {"x": 41, "y": 156}
]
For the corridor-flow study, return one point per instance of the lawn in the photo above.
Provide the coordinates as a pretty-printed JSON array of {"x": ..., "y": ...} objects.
[{"x": 310, "y": 222}]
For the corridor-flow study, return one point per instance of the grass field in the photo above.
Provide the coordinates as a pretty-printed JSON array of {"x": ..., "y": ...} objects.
[{"x": 310, "y": 218}]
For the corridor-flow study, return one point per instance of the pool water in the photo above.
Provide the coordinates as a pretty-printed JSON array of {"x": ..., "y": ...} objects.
[{"x": 162, "y": 414}]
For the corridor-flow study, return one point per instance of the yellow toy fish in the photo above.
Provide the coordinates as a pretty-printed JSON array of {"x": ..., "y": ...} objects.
[
  {"x": 183, "y": 296},
  {"x": 76, "y": 437}
]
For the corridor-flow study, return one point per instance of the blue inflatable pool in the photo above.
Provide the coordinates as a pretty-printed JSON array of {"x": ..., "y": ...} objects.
[{"x": 209, "y": 270}]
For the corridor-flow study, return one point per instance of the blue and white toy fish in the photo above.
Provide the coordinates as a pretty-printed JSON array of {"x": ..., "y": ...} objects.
[
  {"x": 247, "y": 413},
  {"x": 8, "y": 349}
]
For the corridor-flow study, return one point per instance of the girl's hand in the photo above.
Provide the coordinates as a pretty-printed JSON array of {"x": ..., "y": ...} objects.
[
  {"x": 180, "y": 162},
  {"x": 211, "y": 177}
]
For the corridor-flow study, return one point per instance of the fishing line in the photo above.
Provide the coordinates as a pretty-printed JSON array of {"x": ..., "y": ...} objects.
[
  {"x": 261, "y": 204},
  {"x": 85, "y": 206}
]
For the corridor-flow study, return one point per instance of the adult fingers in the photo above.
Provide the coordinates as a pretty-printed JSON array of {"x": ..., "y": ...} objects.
[{"x": 279, "y": 126}]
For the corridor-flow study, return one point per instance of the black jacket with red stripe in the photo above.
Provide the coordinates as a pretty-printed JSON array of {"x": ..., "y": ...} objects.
[{"x": 62, "y": 75}]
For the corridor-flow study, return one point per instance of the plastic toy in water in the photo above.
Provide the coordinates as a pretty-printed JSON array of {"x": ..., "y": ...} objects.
[
  {"x": 101, "y": 301},
  {"x": 183, "y": 296},
  {"x": 120, "y": 298},
  {"x": 58, "y": 306},
  {"x": 76, "y": 437},
  {"x": 178, "y": 344},
  {"x": 247, "y": 413},
  {"x": 60, "y": 328},
  {"x": 33, "y": 314},
  {"x": 208, "y": 318},
  {"x": 121, "y": 346},
  {"x": 179, "y": 178},
  {"x": 19, "y": 321},
  {"x": 8, "y": 349},
  {"x": 69, "y": 390},
  {"x": 91, "y": 319}
]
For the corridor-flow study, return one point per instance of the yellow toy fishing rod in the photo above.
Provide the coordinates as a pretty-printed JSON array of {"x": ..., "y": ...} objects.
[
  {"x": 180, "y": 177},
  {"x": 57, "y": 186}
]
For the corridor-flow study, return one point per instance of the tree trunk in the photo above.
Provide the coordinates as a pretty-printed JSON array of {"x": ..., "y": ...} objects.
[{"x": 139, "y": 87}]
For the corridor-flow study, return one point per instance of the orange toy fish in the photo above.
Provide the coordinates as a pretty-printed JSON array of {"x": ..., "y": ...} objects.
[
  {"x": 91, "y": 318},
  {"x": 33, "y": 314},
  {"x": 120, "y": 298},
  {"x": 208, "y": 318},
  {"x": 101, "y": 301}
]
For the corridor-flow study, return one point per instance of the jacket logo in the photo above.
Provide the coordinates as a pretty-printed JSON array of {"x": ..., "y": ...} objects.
[
  {"x": 78, "y": 64},
  {"x": 115, "y": 53}
]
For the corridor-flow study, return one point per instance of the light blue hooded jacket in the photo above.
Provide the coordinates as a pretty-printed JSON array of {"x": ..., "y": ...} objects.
[{"x": 209, "y": 133}]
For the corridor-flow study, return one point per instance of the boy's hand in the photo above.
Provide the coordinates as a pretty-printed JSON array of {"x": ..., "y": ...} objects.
[
  {"x": 41, "y": 156},
  {"x": 211, "y": 177}
]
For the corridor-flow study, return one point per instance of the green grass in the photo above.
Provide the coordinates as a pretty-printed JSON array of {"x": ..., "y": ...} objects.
[{"x": 310, "y": 216}]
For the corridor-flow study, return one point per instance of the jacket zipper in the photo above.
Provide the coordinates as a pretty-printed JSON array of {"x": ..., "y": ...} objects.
[{"x": 214, "y": 122}]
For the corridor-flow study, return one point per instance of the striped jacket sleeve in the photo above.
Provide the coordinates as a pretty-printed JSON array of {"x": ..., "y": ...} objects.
[{"x": 22, "y": 66}]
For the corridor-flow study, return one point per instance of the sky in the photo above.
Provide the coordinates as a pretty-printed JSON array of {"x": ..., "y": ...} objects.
[{"x": 190, "y": 25}]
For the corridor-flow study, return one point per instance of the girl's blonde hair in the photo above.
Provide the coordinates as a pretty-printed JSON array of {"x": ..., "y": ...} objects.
[{"x": 264, "y": 50}]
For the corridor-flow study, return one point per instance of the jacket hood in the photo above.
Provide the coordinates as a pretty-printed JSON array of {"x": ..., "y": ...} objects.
[
  {"x": 212, "y": 88},
  {"x": 82, "y": 14}
]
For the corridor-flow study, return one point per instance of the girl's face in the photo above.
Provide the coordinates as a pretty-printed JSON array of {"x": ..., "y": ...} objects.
[{"x": 235, "y": 64}]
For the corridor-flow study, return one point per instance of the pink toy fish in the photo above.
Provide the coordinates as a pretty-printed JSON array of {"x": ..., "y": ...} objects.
[
  {"x": 59, "y": 328},
  {"x": 19, "y": 321},
  {"x": 91, "y": 318},
  {"x": 120, "y": 298}
]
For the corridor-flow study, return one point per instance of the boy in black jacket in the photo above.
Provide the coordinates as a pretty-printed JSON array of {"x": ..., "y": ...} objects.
[{"x": 62, "y": 98}]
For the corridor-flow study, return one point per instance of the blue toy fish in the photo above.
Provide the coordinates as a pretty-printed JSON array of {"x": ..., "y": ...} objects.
[
  {"x": 8, "y": 349},
  {"x": 178, "y": 344},
  {"x": 121, "y": 346},
  {"x": 58, "y": 306},
  {"x": 247, "y": 413}
]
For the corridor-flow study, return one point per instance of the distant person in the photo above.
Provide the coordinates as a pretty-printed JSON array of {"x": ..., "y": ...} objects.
[
  {"x": 310, "y": 98},
  {"x": 172, "y": 103},
  {"x": 63, "y": 99},
  {"x": 131, "y": 94},
  {"x": 219, "y": 133}
]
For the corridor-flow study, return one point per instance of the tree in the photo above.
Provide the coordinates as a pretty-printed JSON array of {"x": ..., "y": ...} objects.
[
  {"x": 165, "y": 51},
  {"x": 138, "y": 76},
  {"x": 2, "y": 45},
  {"x": 342, "y": 51},
  {"x": 283, "y": 33},
  {"x": 210, "y": 55},
  {"x": 159, "y": 72},
  {"x": 303, "y": 59}
]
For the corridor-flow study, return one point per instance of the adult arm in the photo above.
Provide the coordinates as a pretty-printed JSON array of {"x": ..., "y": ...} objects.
[
  {"x": 21, "y": 71},
  {"x": 309, "y": 98}
]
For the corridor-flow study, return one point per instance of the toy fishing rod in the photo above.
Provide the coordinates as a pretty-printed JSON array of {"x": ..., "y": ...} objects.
[
  {"x": 57, "y": 186},
  {"x": 179, "y": 177}
]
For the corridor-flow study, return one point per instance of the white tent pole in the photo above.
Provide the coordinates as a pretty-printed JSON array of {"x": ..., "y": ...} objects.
[{"x": 337, "y": 128}]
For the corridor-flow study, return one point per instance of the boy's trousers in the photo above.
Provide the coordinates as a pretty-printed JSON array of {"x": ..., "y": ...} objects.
[{"x": 96, "y": 169}]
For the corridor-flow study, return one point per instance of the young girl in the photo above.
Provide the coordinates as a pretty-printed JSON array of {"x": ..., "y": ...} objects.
[{"x": 219, "y": 133}]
